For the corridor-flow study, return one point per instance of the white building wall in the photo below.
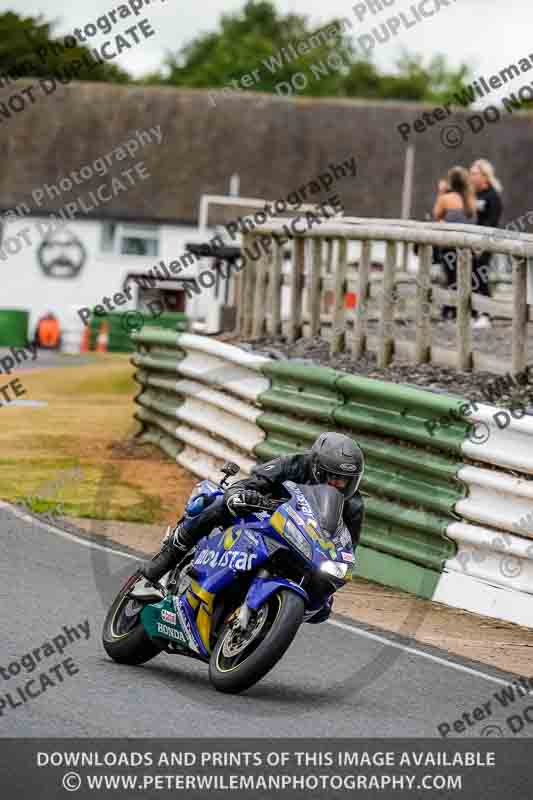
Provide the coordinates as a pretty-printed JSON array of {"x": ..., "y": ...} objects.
[{"x": 24, "y": 285}]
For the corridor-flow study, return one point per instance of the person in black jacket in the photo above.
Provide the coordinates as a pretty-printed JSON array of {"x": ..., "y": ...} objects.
[
  {"x": 489, "y": 211},
  {"x": 334, "y": 459}
]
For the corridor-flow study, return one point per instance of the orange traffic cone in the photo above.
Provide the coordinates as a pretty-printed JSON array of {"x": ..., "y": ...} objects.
[
  {"x": 85, "y": 340},
  {"x": 102, "y": 340}
]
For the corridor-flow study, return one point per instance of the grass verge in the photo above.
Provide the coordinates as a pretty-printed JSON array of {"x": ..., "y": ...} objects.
[{"x": 77, "y": 455}]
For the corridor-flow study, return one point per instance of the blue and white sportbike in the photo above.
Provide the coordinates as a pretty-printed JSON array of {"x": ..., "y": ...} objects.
[{"x": 237, "y": 600}]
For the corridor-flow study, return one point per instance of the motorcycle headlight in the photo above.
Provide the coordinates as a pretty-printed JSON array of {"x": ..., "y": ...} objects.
[
  {"x": 335, "y": 568},
  {"x": 293, "y": 535}
]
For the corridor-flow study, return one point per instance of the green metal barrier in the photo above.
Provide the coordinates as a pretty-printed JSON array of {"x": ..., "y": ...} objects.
[
  {"x": 400, "y": 412},
  {"x": 157, "y": 360},
  {"x": 121, "y": 337},
  {"x": 204, "y": 402},
  {"x": 308, "y": 392},
  {"x": 410, "y": 482}
]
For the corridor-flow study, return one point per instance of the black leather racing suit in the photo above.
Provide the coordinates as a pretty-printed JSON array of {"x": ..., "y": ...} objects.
[{"x": 268, "y": 479}]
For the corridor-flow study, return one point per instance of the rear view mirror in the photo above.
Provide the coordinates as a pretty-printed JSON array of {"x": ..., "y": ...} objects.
[{"x": 229, "y": 469}]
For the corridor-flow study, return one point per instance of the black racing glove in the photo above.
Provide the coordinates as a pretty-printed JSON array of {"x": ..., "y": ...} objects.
[{"x": 243, "y": 499}]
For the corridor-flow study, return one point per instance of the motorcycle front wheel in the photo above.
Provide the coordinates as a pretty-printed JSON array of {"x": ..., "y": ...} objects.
[
  {"x": 241, "y": 658},
  {"x": 123, "y": 636}
]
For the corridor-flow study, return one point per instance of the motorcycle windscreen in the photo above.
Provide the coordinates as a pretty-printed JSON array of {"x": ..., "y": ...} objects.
[{"x": 327, "y": 504}]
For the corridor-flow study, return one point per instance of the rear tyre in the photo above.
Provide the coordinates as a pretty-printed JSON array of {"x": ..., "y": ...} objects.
[
  {"x": 123, "y": 635},
  {"x": 240, "y": 659}
]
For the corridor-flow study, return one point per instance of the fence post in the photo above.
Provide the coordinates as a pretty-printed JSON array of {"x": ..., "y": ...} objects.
[
  {"x": 276, "y": 273},
  {"x": 329, "y": 256},
  {"x": 241, "y": 308},
  {"x": 315, "y": 287},
  {"x": 386, "y": 325},
  {"x": 249, "y": 287},
  {"x": 423, "y": 306},
  {"x": 520, "y": 313},
  {"x": 464, "y": 308},
  {"x": 297, "y": 270},
  {"x": 238, "y": 286},
  {"x": 338, "y": 340},
  {"x": 260, "y": 296},
  {"x": 361, "y": 306}
]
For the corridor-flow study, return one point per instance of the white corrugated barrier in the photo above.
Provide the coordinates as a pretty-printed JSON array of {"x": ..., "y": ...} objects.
[
  {"x": 509, "y": 441},
  {"x": 492, "y": 571},
  {"x": 210, "y": 412}
]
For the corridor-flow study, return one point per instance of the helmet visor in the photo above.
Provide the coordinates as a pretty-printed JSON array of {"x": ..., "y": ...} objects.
[
  {"x": 344, "y": 484},
  {"x": 337, "y": 481}
]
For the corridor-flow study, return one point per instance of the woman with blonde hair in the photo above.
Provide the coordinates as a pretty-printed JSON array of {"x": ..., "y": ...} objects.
[
  {"x": 482, "y": 172},
  {"x": 489, "y": 211},
  {"x": 456, "y": 203}
]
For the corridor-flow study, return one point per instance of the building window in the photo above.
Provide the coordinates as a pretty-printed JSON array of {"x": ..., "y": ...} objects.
[
  {"x": 138, "y": 246},
  {"x": 130, "y": 240}
]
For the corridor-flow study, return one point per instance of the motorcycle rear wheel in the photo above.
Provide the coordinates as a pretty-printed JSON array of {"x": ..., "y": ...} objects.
[
  {"x": 241, "y": 659},
  {"x": 123, "y": 636}
]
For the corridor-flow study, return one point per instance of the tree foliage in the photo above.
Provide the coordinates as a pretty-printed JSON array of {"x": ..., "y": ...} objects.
[
  {"x": 256, "y": 41},
  {"x": 251, "y": 40},
  {"x": 258, "y": 36},
  {"x": 21, "y": 38}
]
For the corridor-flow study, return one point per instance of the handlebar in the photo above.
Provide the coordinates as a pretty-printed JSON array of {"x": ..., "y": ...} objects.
[
  {"x": 272, "y": 505},
  {"x": 266, "y": 505}
]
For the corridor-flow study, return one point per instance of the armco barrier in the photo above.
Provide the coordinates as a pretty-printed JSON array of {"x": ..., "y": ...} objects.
[
  {"x": 509, "y": 440},
  {"x": 120, "y": 340},
  {"x": 411, "y": 489},
  {"x": 493, "y": 566},
  {"x": 198, "y": 399},
  {"x": 438, "y": 522}
]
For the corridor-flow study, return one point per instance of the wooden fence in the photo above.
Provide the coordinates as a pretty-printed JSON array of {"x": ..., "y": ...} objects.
[{"x": 320, "y": 280}]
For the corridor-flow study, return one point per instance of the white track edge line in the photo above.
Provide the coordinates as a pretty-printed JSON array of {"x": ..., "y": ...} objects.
[
  {"x": 64, "y": 534},
  {"x": 414, "y": 651}
]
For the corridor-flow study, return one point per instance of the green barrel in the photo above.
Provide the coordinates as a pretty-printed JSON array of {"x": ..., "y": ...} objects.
[
  {"x": 120, "y": 335},
  {"x": 13, "y": 327}
]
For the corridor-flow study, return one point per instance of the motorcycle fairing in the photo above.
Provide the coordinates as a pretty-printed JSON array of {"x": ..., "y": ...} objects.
[
  {"x": 242, "y": 548},
  {"x": 304, "y": 508},
  {"x": 161, "y": 621},
  {"x": 261, "y": 589},
  {"x": 206, "y": 489},
  {"x": 219, "y": 557},
  {"x": 222, "y": 554}
]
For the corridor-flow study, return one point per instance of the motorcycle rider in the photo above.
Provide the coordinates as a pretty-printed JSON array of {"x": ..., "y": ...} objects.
[{"x": 334, "y": 459}]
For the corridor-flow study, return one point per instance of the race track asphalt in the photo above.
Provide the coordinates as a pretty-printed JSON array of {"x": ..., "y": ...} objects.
[{"x": 337, "y": 679}]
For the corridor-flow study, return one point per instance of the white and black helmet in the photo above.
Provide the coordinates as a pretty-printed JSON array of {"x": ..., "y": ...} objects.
[{"x": 337, "y": 457}]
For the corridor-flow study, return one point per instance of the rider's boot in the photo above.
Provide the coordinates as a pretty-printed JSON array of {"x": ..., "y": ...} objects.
[{"x": 174, "y": 548}]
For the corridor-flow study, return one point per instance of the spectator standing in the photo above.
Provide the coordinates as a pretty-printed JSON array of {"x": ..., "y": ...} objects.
[
  {"x": 455, "y": 203},
  {"x": 489, "y": 211}
]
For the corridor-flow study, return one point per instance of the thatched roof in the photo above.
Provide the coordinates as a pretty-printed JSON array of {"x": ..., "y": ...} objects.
[{"x": 275, "y": 144}]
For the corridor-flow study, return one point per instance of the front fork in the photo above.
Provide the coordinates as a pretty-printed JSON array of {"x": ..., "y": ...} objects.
[{"x": 262, "y": 587}]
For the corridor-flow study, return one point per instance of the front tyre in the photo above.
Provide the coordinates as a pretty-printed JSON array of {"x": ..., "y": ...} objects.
[
  {"x": 241, "y": 658},
  {"x": 123, "y": 636}
]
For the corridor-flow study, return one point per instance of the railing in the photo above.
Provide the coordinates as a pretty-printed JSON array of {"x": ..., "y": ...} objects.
[{"x": 320, "y": 278}]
